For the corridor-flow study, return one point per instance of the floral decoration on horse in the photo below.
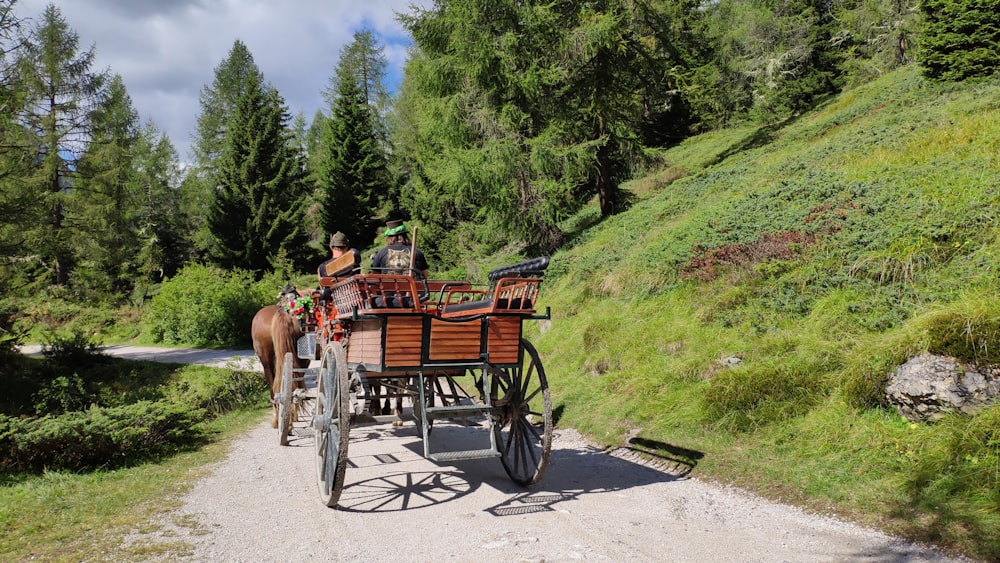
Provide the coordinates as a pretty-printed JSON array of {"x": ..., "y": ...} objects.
[{"x": 300, "y": 307}]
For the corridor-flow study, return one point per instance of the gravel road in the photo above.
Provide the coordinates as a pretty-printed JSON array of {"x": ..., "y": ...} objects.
[{"x": 261, "y": 504}]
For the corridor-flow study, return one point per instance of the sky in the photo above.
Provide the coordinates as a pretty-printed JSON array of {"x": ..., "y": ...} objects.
[{"x": 166, "y": 51}]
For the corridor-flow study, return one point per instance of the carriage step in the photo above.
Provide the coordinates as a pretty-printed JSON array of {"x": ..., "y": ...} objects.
[
  {"x": 464, "y": 454},
  {"x": 456, "y": 411}
]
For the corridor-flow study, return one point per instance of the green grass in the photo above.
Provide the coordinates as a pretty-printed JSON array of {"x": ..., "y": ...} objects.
[
  {"x": 822, "y": 252},
  {"x": 72, "y": 517}
]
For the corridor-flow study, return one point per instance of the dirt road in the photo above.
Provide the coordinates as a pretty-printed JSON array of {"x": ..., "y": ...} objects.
[{"x": 262, "y": 504}]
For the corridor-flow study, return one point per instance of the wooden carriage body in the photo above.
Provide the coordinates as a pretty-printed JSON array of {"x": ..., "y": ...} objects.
[{"x": 396, "y": 324}]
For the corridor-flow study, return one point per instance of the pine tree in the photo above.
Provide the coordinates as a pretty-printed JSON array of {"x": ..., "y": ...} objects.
[
  {"x": 161, "y": 228},
  {"x": 533, "y": 107},
  {"x": 351, "y": 172},
  {"x": 258, "y": 212},
  {"x": 218, "y": 104},
  {"x": 350, "y": 168},
  {"x": 363, "y": 61},
  {"x": 13, "y": 162},
  {"x": 960, "y": 39},
  {"x": 103, "y": 211},
  {"x": 60, "y": 93}
]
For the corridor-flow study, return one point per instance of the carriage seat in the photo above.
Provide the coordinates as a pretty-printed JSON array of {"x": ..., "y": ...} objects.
[
  {"x": 486, "y": 306},
  {"x": 513, "y": 288},
  {"x": 392, "y": 302}
]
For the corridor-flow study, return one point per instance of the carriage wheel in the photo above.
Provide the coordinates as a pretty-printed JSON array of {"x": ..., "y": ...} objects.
[
  {"x": 331, "y": 424},
  {"x": 285, "y": 402},
  {"x": 523, "y": 417}
]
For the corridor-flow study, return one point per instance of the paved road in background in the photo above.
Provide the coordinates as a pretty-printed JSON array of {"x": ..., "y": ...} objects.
[{"x": 245, "y": 359}]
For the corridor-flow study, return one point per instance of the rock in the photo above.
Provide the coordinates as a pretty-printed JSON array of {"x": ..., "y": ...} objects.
[
  {"x": 731, "y": 361},
  {"x": 929, "y": 385}
]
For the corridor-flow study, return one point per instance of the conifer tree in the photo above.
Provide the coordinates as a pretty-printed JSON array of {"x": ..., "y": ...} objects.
[
  {"x": 103, "y": 211},
  {"x": 960, "y": 39},
  {"x": 13, "y": 161},
  {"x": 350, "y": 169},
  {"x": 258, "y": 212},
  {"x": 60, "y": 92},
  {"x": 161, "y": 227},
  {"x": 534, "y": 107},
  {"x": 218, "y": 104}
]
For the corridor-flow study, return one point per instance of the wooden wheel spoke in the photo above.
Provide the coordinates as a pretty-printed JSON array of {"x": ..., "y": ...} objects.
[
  {"x": 528, "y": 448},
  {"x": 527, "y": 376},
  {"x": 534, "y": 431},
  {"x": 531, "y": 397}
]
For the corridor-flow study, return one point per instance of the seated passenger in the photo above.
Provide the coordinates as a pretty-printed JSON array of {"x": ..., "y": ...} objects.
[
  {"x": 339, "y": 246},
  {"x": 395, "y": 257}
]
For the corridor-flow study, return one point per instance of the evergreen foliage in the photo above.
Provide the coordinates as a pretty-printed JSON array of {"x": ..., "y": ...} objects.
[
  {"x": 529, "y": 109},
  {"x": 258, "y": 213},
  {"x": 99, "y": 438},
  {"x": 351, "y": 173},
  {"x": 162, "y": 230},
  {"x": 60, "y": 91},
  {"x": 362, "y": 61},
  {"x": 960, "y": 38},
  {"x": 218, "y": 103},
  {"x": 105, "y": 204}
]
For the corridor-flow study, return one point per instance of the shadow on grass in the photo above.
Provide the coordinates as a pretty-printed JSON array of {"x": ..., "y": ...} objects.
[{"x": 766, "y": 134}]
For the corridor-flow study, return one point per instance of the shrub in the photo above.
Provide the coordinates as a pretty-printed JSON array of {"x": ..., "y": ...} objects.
[
  {"x": 71, "y": 351},
  {"x": 62, "y": 394},
  {"x": 99, "y": 437},
  {"x": 203, "y": 305},
  {"x": 218, "y": 391}
]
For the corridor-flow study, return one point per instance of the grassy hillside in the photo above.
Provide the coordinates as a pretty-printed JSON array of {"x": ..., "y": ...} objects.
[{"x": 822, "y": 252}]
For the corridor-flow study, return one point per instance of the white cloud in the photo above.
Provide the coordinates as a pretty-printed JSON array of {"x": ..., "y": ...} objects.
[{"x": 167, "y": 50}]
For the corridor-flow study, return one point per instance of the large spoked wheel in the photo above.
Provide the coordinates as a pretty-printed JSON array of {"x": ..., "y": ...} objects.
[
  {"x": 331, "y": 424},
  {"x": 285, "y": 401},
  {"x": 522, "y": 415}
]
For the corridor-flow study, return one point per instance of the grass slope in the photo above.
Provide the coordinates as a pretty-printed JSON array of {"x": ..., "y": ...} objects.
[{"x": 822, "y": 252}]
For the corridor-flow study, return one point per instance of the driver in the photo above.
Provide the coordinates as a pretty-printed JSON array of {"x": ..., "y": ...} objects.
[{"x": 398, "y": 253}]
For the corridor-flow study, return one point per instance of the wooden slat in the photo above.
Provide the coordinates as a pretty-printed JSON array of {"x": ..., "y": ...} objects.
[
  {"x": 365, "y": 345},
  {"x": 455, "y": 341},
  {"x": 403, "y": 340},
  {"x": 504, "y": 339}
]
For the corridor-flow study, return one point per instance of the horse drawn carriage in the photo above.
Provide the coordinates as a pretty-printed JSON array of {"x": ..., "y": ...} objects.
[{"x": 450, "y": 348}]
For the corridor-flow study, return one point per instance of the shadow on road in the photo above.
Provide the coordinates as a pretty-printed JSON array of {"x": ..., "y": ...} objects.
[{"x": 574, "y": 470}]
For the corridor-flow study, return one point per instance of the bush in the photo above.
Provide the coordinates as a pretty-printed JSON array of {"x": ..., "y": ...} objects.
[
  {"x": 218, "y": 391},
  {"x": 71, "y": 351},
  {"x": 203, "y": 305},
  {"x": 62, "y": 394},
  {"x": 99, "y": 437}
]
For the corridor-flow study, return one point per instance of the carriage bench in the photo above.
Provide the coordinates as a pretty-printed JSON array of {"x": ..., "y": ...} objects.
[{"x": 513, "y": 289}]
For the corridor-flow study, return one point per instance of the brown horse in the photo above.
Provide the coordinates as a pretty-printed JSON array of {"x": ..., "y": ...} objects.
[{"x": 274, "y": 332}]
